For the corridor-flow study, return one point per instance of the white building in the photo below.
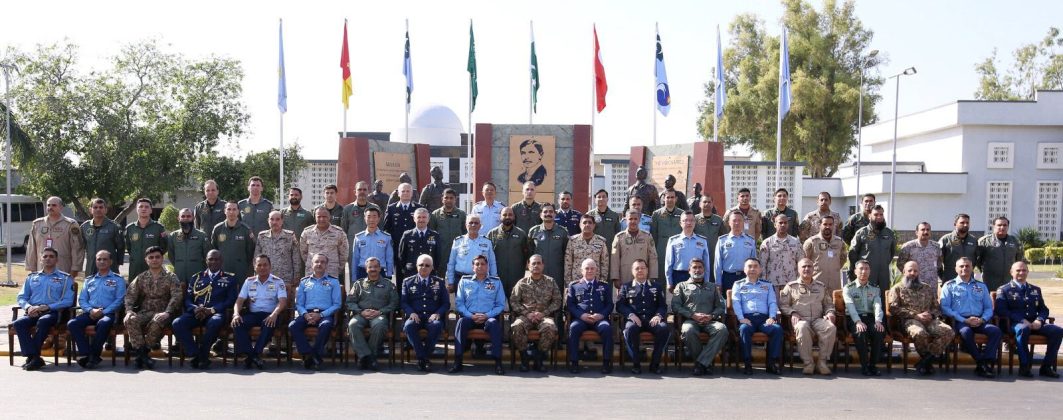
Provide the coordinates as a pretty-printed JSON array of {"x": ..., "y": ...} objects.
[{"x": 313, "y": 179}]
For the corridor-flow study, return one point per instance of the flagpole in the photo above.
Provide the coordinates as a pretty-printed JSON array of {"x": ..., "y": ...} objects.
[
  {"x": 281, "y": 154},
  {"x": 715, "y": 118},
  {"x": 531, "y": 82},
  {"x": 778, "y": 126},
  {"x": 716, "y": 71},
  {"x": 408, "y": 98},
  {"x": 594, "y": 110},
  {"x": 656, "y": 29},
  {"x": 472, "y": 181},
  {"x": 344, "y": 133}
]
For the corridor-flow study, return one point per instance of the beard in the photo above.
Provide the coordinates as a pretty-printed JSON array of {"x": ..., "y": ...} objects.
[
  {"x": 879, "y": 225},
  {"x": 507, "y": 222},
  {"x": 294, "y": 201},
  {"x": 963, "y": 229},
  {"x": 910, "y": 281}
]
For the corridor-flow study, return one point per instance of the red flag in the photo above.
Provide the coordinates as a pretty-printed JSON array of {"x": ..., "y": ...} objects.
[
  {"x": 600, "y": 86},
  {"x": 345, "y": 64}
]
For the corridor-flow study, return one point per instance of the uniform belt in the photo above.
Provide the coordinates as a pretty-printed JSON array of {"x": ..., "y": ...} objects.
[
  {"x": 680, "y": 271},
  {"x": 756, "y": 314},
  {"x": 460, "y": 274},
  {"x": 731, "y": 272}
]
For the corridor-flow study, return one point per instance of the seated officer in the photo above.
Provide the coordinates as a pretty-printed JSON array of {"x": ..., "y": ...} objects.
[
  {"x": 701, "y": 303},
  {"x": 208, "y": 295},
  {"x": 425, "y": 301},
  {"x": 268, "y": 298},
  {"x": 318, "y": 296},
  {"x": 372, "y": 300},
  {"x": 589, "y": 302},
  {"x": 103, "y": 294},
  {"x": 810, "y": 307},
  {"x": 966, "y": 301},
  {"x": 863, "y": 304},
  {"x": 534, "y": 303},
  {"x": 44, "y": 295},
  {"x": 642, "y": 305},
  {"x": 756, "y": 306},
  {"x": 480, "y": 301},
  {"x": 1023, "y": 304}
]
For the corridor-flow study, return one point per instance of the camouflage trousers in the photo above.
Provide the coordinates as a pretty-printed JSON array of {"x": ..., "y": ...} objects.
[
  {"x": 931, "y": 338},
  {"x": 143, "y": 331},
  {"x": 547, "y": 333}
]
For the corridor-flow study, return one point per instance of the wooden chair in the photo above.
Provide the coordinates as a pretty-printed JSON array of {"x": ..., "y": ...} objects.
[
  {"x": 1009, "y": 340},
  {"x": 979, "y": 339},
  {"x": 533, "y": 336},
  {"x": 680, "y": 347},
  {"x": 758, "y": 337},
  {"x": 845, "y": 337},
  {"x": 224, "y": 333},
  {"x": 478, "y": 334},
  {"x": 279, "y": 332},
  {"x": 389, "y": 337},
  {"x": 57, "y": 329},
  {"x": 589, "y": 336},
  {"x": 90, "y": 332},
  {"x": 406, "y": 349},
  {"x": 897, "y": 332},
  {"x": 335, "y": 346},
  {"x": 790, "y": 338}
]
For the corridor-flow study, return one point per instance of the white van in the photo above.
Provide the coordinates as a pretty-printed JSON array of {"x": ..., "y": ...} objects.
[{"x": 24, "y": 210}]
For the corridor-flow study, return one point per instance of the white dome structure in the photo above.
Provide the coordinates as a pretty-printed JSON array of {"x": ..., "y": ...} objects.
[{"x": 435, "y": 124}]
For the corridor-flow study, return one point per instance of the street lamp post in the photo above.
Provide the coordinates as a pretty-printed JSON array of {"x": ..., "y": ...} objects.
[
  {"x": 893, "y": 168},
  {"x": 860, "y": 121},
  {"x": 7, "y": 164}
]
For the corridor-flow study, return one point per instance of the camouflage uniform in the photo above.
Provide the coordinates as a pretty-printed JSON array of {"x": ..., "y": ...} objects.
[
  {"x": 332, "y": 242},
  {"x": 811, "y": 303},
  {"x": 779, "y": 258},
  {"x": 578, "y": 250},
  {"x": 146, "y": 296},
  {"x": 700, "y": 297},
  {"x": 753, "y": 220},
  {"x": 626, "y": 249},
  {"x": 64, "y": 235},
  {"x": 827, "y": 259},
  {"x": 928, "y": 257},
  {"x": 530, "y": 295},
  {"x": 906, "y": 303},
  {"x": 284, "y": 256},
  {"x": 810, "y": 225}
]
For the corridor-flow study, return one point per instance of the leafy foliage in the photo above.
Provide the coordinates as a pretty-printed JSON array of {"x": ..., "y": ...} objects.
[{"x": 1037, "y": 66}]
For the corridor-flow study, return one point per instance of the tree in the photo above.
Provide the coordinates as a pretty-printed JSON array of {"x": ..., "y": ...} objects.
[
  {"x": 130, "y": 130},
  {"x": 828, "y": 51},
  {"x": 1037, "y": 67},
  {"x": 232, "y": 174}
]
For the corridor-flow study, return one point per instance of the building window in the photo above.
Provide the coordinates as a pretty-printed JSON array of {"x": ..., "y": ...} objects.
[
  {"x": 1049, "y": 208},
  {"x": 1050, "y": 156},
  {"x": 771, "y": 186},
  {"x": 1000, "y": 156},
  {"x": 998, "y": 200},
  {"x": 744, "y": 176}
]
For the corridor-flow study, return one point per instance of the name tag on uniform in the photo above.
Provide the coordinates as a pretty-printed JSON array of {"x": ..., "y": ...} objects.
[{"x": 830, "y": 253}]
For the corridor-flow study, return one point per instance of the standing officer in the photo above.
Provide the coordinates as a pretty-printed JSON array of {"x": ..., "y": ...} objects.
[
  {"x": 372, "y": 242},
  {"x": 534, "y": 303},
  {"x": 187, "y": 247},
  {"x": 44, "y": 295},
  {"x": 810, "y": 307},
  {"x": 782, "y": 197},
  {"x": 583, "y": 246},
  {"x": 426, "y": 302},
  {"x": 635, "y": 203},
  {"x": 399, "y": 216},
  {"x": 915, "y": 306},
  {"x": 997, "y": 251},
  {"x": 102, "y": 234},
  {"x": 566, "y": 215},
  {"x": 780, "y": 253},
  {"x": 152, "y": 299},
  {"x": 1024, "y": 305},
  {"x": 876, "y": 244},
  {"x": 710, "y": 226},
  {"x": 956, "y": 244},
  {"x": 281, "y": 246},
  {"x": 396, "y": 196},
  {"x": 606, "y": 221},
  {"x": 681, "y": 249},
  {"x": 141, "y": 235},
  {"x": 488, "y": 210},
  {"x": 863, "y": 304},
  {"x": 630, "y": 245},
  {"x": 268, "y": 298},
  {"x": 102, "y": 295},
  {"x": 465, "y": 250},
  {"x": 732, "y": 250},
  {"x": 590, "y": 302},
  {"x": 641, "y": 304},
  {"x": 550, "y": 240},
  {"x": 416, "y": 242},
  {"x": 353, "y": 220},
  {"x": 318, "y": 296},
  {"x": 236, "y": 242},
  {"x": 812, "y": 221},
  {"x": 751, "y": 218},
  {"x": 527, "y": 212},
  {"x": 449, "y": 221},
  {"x": 826, "y": 250},
  {"x": 211, "y": 210},
  {"x": 208, "y": 295},
  {"x": 335, "y": 208},
  {"x": 966, "y": 302},
  {"x": 60, "y": 233},
  {"x": 859, "y": 220},
  {"x": 702, "y": 307},
  {"x": 923, "y": 251},
  {"x": 665, "y": 224},
  {"x": 325, "y": 238},
  {"x": 295, "y": 216},
  {"x": 755, "y": 307},
  {"x": 510, "y": 244},
  {"x": 371, "y": 301},
  {"x": 254, "y": 210},
  {"x": 480, "y": 302}
]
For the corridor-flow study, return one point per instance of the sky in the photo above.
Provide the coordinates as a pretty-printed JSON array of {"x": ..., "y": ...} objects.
[{"x": 942, "y": 39}]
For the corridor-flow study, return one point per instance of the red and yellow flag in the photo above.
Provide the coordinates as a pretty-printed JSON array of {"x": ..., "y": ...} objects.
[{"x": 345, "y": 64}]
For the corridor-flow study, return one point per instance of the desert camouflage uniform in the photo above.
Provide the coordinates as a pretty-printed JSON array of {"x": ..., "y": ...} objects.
[
  {"x": 811, "y": 303},
  {"x": 779, "y": 258},
  {"x": 579, "y": 250},
  {"x": 928, "y": 257},
  {"x": 332, "y": 242},
  {"x": 283, "y": 252},
  {"x": 810, "y": 224}
]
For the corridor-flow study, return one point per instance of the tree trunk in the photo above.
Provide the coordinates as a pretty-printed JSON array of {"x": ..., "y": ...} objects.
[
  {"x": 120, "y": 218},
  {"x": 80, "y": 212}
]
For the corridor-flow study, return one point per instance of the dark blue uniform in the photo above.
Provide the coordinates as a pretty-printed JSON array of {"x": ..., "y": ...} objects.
[
  {"x": 398, "y": 219},
  {"x": 1024, "y": 302},
  {"x": 645, "y": 301},
  {"x": 424, "y": 297},
  {"x": 594, "y": 298},
  {"x": 412, "y": 245},
  {"x": 217, "y": 292},
  {"x": 570, "y": 220}
]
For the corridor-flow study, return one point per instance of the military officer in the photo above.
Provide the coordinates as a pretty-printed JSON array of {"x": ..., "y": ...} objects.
[
  {"x": 254, "y": 210},
  {"x": 606, "y": 221},
  {"x": 751, "y": 216},
  {"x": 44, "y": 295},
  {"x": 732, "y": 250},
  {"x": 335, "y": 208},
  {"x": 782, "y": 197},
  {"x": 646, "y": 192},
  {"x": 101, "y": 297},
  {"x": 488, "y": 210},
  {"x": 527, "y": 211},
  {"x": 665, "y": 224},
  {"x": 281, "y": 246},
  {"x": 914, "y": 304},
  {"x": 780, "y": 253},
  {"x": 755, "y": 307},
  {"x": 372, "y": 242},
  {"x": 996, "y": 252},
  {"x": 811, "y": 223},
  {"x": 859, "y": 220},
  {"x": 209, "y": 294},
  {"x": 416, "y": 242},
  {"x": 535, "y": 301},
  {"x": 102, "y": 234},
  {"x": 60, "y": 233},
  {"x": 211, "y": 210},
  {"x": 152, "y": 300},
  {"x": 449, "y": 221},
  {"x": 378, "y": 197},
  {"x": 396, "y": 196},
  {"x": 267, "y": 298},
  {"x": 371, "y": 301},
  {"x": 1024, "y": 305},
  {"x": 874, "y": 243},
  {"x": 702, "y": 308},
  {"x": 236, "y": 242},
  {"x": 642, "y": 306},
  {"x": 465, "y": 250},
  {"x": 680, "y": 198},
  {"x": 425, "y": 301},
  {"x": 141, "y": 235},
  {"x": 295, "y": 216},
  {"x": 967, "y": 303},
  {"x": 923, "y": 251},
  {"x": 956, "y": 244},
  {"x": 510, "y": 244},
  {"x": 810, "y": 306},
  {"x": 480, "y": 302},
  {"x": 432, "y": 194},
  {"x": 630, "y": 245},
  {"x": 583, "y": 246},
  {"x": 681, "y": 249},
  {"x": 187, "y": 247},
  {"x": 863, "y": 304},
  {"x": 826, "y": 250},
  {"x": 324, "y": 238},
  {"x": 589, "y": 302},
  {"x": 635, "y": 203},
  {"x": 318, "y": 296},
  {"x": 398, "y": 217},
  {"x": 353, "y": 220},
  {"x": 710, "y": 226},
  {"x": 550, "y": 240},
  {"x": 566, "y": 215}
]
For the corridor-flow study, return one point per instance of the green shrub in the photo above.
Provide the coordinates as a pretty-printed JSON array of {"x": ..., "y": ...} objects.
[
  {"x": 1030, "y": 238},
  {"x": 168, "y": 218},
  {"x": 1035, "y": 255}
]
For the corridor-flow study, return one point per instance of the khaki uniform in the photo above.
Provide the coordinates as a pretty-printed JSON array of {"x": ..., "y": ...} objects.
[
  {"x": 928, "y": 257},
  {"x": 450, "y": 226},
  {"x": 701, "y": 297},
  {"x": 64, "y": 235},
  {"x": 578, "y": 250},
  {"x": 146, "y": 296},
  {"x": 779, "y": 258},
  {"x": 366, "y": 294},
  {"x": 625, "y": 250},
  {"x": 332, "y": 242},
  {"x": 284, "y": 256},
  {"x": 827, "y": 258},
  {"x": 907, "y": 302},
  {"x": 753, "y": 222},
  {"x": 810, "y": 303},
  {"x": 810, "y": 224},
  {"x": 530, "y": 295}
]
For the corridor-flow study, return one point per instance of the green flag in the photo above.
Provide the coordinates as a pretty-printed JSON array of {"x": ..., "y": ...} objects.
[
  {"x": 534, "y": 75},
  {"x": 472, "y": 71}
]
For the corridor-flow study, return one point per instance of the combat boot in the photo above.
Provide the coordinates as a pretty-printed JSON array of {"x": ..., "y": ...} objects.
[
  {"x": 808, "y": 368},
  {"x": 524, "y": 360},
  {"x": 822, "y": 368},
  {"x": 539, "y": 361}
]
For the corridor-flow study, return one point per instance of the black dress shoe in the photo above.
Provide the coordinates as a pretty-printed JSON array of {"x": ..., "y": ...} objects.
[
  {"x": 36, "y": 364},
  {"x": 772, "y": 369},
  {"x": 195, "y": 362},
  {"x": 573, "y": 368},
  {"x": 1024, "y": 371},
  {"x": 427, "y": 365},
  {"x": 93, "y": 363},
  {"x": 873, "y": 371},
  {"x": 420, "y": 365},
  {"x": 498, "y": 368},
  {"x": 457, "y": 368},
  {"x": 748, "y": 369},
  {"x": 308, "y": 363},
  {"x": 636, "y": 370},
  {"x": 607, "y": 367},
  {"x": 989, "y": 373},
  {"x": 84, "y": 361},
  {"x": 1048, "y": 372},
  {"x": 373, "y": 365},
  {"x": 699, "y": 370},
  {"x": 257, "y": 362},
  {"x": 204, "y": 363},
  {"x": 524, "y": 363},
  {"x": 655, "y": 368}
]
